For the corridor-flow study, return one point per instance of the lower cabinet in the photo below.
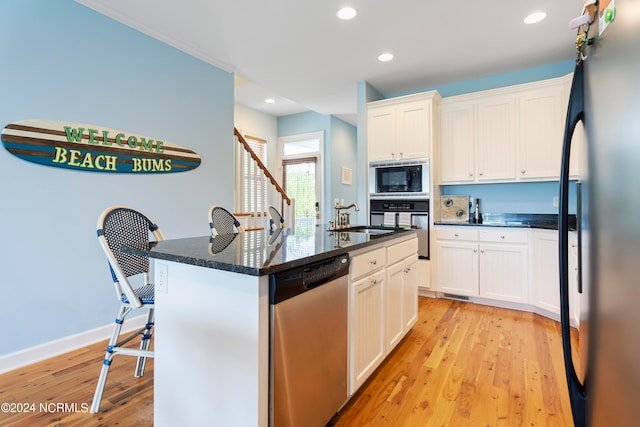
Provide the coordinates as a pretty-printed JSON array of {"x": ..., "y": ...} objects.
[
  {"x": 546, "y": 279},
  {"x": 504, "y": 262},
  {"x": 367, "y": 346},
  {"x": 517, "y": 266},
  {"x": 491, "y": 263},
  {"x": 402, "y": 300},
  {"x": 383, "y": 304}
]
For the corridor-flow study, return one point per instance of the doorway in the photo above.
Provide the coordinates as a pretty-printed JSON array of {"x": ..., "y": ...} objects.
[{"x": 302, "y": 175}]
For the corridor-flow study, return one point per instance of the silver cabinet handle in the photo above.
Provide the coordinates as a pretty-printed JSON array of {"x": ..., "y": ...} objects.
[{"x": 502, "y": 237}]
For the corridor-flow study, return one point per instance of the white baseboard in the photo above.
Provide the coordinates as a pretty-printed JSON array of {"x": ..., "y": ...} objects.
[{"x": 11, "y": 361}]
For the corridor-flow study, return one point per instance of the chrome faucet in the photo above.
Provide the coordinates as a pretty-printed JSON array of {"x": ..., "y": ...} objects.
[{"x": 343, "y": 220}]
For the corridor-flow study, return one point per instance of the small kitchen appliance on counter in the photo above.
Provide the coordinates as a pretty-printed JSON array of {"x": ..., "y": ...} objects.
[{"x": 454, "y": 209}]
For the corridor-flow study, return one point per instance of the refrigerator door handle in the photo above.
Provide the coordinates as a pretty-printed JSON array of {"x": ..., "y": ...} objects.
[{"x": 575, "y": 113}]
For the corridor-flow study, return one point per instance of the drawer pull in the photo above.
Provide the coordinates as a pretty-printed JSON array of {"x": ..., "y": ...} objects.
[
  {"x": 502, "y": 237},
  {"x": 373, "y": 262}
]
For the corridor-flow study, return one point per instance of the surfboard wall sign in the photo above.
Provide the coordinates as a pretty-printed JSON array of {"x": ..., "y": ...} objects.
[{"x": 94, "y": 149}]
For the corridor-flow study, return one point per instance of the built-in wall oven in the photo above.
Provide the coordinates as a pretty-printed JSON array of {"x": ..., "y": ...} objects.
[
  {"x": 399, "y": 212},
  {"x": 399, "y": 179}
]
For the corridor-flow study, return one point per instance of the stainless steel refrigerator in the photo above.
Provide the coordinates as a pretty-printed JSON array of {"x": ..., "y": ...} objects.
[{"x": 605, "y": 389}]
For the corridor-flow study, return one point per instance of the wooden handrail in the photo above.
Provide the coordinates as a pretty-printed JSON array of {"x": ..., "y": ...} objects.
[{"x": 261, "y": 165}]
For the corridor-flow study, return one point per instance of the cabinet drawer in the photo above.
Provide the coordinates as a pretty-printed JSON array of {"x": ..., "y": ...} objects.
[
  {"x": 458, "y": 233},
  {"x": 504, "y": 236},
  {"x": 401, "y": 250},
  {"x": 367, "y": 262}
]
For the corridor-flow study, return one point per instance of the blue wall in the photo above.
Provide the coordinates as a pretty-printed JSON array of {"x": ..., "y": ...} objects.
[{"x": 63, "y": 61}]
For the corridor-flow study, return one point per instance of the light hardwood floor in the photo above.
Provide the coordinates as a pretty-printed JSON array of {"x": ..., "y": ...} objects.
[{"x": 461, "y": 365}]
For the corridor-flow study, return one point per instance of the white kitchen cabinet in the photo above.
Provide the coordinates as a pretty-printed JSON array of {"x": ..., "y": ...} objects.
[
  {"x": 402, "y": 300},
  {"x": 457, "y": 261},
  {"x": 477, "y": 140},
  {"x": 367, "y": 335},
  {"x": 496, "y": 132},
  {"x": 381, "y": 133},
  {"x": 457, "y": 146},
  {"x": 410, "y": 293},
  {"x": 508, "y": 134},
  {"x": 490, "y": 263},
  {"x": 504, "y": 262},
  {"x": 541, "y": 133},
  {"x": 546, "y": 279},
  {"x": 401, "y": 128},
  {"x": 383, "y": 304},
  {"x": 546, "y": 274},
  {"x": 402, "y": 290}
]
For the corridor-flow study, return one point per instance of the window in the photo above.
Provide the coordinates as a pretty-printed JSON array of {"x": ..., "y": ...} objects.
[{"x": 252, "y": 182}]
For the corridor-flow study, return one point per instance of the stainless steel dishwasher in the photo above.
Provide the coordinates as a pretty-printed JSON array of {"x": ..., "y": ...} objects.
[{"x": 308, "y": 343}]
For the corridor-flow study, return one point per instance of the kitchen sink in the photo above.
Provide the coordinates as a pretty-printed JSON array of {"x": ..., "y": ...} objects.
[{"x": 368, "y": 229}]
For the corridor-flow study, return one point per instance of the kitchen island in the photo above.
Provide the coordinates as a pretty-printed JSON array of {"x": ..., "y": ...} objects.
[{"x": 212, "y": 313}]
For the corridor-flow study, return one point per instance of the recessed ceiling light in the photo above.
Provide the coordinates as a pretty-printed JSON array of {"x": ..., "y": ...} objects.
[
  {"x": 535, "y": 17},
  {"x": 347, "y": 13},
  {"x": 270, "y": 101},
  {"x": 385, "y": 57}
]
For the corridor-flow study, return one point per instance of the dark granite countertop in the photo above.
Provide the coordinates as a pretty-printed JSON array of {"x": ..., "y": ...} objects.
[
  {"x": 543, "y": 221},
  {"x": 261, "y": 252}
]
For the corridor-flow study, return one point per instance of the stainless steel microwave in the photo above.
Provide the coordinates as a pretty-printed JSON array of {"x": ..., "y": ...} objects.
[{"x": 399, "y": 179}]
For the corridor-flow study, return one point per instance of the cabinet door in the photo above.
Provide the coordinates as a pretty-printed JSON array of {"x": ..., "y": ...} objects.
[
  {"x": 381, "y": 133},
  {"x": 457, "y": 144},
  {"x": 394, "y": 299},
  {"x": 541, "y": 132},
  {"x": 410, "y": 293},
  {"x": 367, "y": 346},
  {"x": 546, "y": 280},
  {"x": 457, "y": 267},
  {"x": 414, "y": 130},
  {"x": 496, "y": 139},
  {"x": 503, "y": 272}
]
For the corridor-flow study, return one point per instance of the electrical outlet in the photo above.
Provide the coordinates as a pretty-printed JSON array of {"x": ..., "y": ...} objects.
[
  {"x": 556, "y": 202},
  {"x": 162, "y": 279}
]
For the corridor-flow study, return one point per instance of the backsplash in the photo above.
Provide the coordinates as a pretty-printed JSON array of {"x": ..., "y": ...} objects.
[{"x": 518, "y": 197}]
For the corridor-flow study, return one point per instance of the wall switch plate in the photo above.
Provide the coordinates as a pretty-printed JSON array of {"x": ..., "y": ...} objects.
[
  {"x": 555, "y": 202},
  {"x": 162, "y": 278}
]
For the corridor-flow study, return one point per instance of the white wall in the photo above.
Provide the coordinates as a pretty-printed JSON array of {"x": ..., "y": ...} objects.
[{"x": 63, "y": 61}]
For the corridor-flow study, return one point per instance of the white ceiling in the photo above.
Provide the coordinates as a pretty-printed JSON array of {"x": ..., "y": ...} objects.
[{"x": 299, "y": 53}]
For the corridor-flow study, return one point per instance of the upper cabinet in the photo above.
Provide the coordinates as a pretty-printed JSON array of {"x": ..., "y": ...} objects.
[
  {"x": 401, "y": 128},
  {"x": 541, "y": 133},
  {"x": 505, "y": 135}
]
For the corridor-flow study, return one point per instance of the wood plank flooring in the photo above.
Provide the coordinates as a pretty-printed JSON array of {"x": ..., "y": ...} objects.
[{"x": 462, "y": 364}]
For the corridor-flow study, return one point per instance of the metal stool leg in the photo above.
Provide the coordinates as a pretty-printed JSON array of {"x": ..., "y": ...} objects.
[
  {"x": 97, "y": 397},
  {"x": 144, "y": 344}
]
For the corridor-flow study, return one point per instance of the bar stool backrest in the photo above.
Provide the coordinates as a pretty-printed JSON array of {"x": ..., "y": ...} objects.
[{"x": 222, "y": 221}]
